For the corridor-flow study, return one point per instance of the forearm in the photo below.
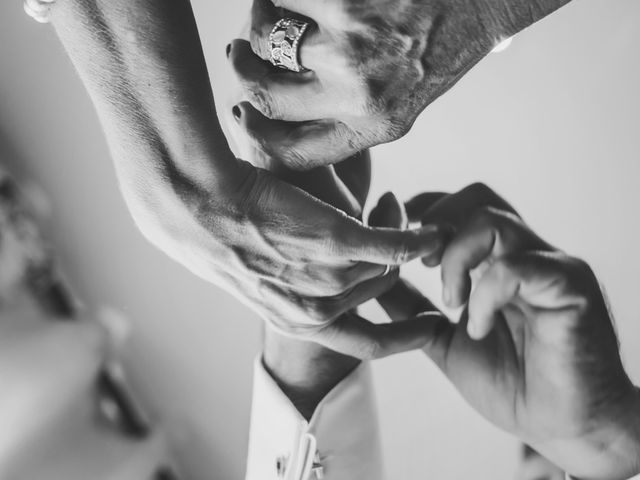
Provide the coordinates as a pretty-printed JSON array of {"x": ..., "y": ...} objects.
[
  {"x": 142, "y": 64},
  {"x": 305, "y": 371}
]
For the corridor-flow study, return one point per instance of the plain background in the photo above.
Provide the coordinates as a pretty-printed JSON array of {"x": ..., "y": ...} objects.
[{"x": 552, "y": 123}]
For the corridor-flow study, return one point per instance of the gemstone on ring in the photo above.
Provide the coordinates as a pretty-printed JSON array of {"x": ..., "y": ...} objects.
[{"x": 284, "y": 42}]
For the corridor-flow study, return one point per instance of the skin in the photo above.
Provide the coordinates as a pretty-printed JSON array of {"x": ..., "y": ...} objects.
[
  {"x": 305, "y": 371},
  {"x": 536, "y": 318},
  {"x": 300, "y": 263},
  {"x": 374, "y": 66},
  {"x": 535, "y": 351}
]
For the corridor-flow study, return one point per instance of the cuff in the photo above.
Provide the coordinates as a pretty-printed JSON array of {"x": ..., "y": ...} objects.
[
  {"x": 569, "y": 477},
  {"x": 340, "y": 442}
]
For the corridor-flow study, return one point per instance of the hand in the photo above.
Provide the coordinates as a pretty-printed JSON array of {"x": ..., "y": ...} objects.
[
  {"x": 535, "y": 352},
  {"x": 374, "y": 66},
  {"x": 294, "y": 259},
  {"x": 305, "y": 371}
]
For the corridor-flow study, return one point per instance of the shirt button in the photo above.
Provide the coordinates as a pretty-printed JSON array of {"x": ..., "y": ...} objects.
[{"x": 281, "y": 466}]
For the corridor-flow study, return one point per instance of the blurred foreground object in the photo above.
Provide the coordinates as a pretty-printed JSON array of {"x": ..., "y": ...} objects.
[{"x": 66, "y": 411}]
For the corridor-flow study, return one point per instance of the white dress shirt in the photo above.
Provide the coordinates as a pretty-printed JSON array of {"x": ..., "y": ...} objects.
[{"x": 340, "y": 442}]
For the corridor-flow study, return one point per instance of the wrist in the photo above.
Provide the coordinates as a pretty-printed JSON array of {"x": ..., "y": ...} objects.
[
  {"x": 611, "y": 451},
  {"x": 305, "y": 371}
]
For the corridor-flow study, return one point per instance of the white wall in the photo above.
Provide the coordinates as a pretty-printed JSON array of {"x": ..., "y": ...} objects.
[{"x": 552, "y": 123}]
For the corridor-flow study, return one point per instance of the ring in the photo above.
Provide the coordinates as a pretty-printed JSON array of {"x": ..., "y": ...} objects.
[
  {"x": 284, "y": 40},
  {"x": 386, "y": 271}
]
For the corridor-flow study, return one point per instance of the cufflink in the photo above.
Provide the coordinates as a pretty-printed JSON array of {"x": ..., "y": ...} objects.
[{"x": 281, "y": 466}]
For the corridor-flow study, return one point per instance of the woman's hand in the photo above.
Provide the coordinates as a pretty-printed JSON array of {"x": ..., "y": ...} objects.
[
  {"x": 535, "y": 351},
  {"x": 374, "y": 65}
]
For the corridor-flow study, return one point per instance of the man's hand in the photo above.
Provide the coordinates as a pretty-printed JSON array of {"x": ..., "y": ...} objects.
[
  {"x": 374, "y": 65},
  {"x": 535, "y": 352},
  {"x": 297, "y": 261}
]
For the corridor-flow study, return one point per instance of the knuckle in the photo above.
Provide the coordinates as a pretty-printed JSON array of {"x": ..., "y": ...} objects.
[
  {"x": 342, "y": 282},
  {"x": 293, "y": 157},
  {"x": 317, "y": 311},
  {"x": 370, "y": 350},
  {"x": 403, "y": 252},
  {"x": 260, "y": 98},
  {"x": 258, "y": 40}
]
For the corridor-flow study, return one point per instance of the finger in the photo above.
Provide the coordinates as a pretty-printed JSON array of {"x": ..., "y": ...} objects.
[
  {"x": 279, "y": 94},
  {"x": 387, "y": 246},
  {"x": 324, "y": 184},
  {"x": 544, "y": 280},
  {"x": 489, "y": 234},
  {"x": 361, "y": 293},
  {"x": 456, "y": 209},
  {"x": 264, "y": 16},
  {"x": 355, "y": 173},
  {"x": 300, "y": 146},
  {"x": 282, "y": 95},
  {"x": 389, "y": 212},
  {"x": 353, "y": 335},
  {"x": 319, "y": 10},
  {"x": 403, "y": 301},
  {"x": 420, "y": 204},
  {"x": 361, "y": 272}
]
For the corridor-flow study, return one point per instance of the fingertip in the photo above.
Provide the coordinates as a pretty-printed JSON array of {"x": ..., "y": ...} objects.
[
  {"x": 478, "y": 328},
  {"x": 472, "y": 329},
  {"x": 455, "y": 292},
  {"x": 431, "y": 261}
]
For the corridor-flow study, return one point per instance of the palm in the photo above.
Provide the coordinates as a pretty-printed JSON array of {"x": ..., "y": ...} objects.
[{"x": 524, "y": 376}]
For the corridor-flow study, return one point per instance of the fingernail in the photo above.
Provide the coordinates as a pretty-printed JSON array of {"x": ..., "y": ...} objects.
[
  {"x": 228, "y": 50},
  {"x": 237, "y": 113}
]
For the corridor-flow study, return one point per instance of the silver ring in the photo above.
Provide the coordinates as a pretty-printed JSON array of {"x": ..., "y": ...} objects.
[
  {"x": 284, "y": 41},
  {"x": 386, "y": 271}
]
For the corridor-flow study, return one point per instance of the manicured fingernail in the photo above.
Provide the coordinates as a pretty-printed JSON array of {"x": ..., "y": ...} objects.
[
  {"x": 228, "y": 50},
  {"x": 237, "y": 113}
]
